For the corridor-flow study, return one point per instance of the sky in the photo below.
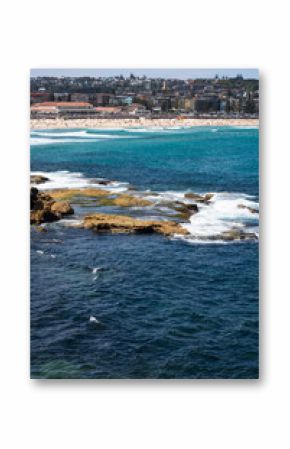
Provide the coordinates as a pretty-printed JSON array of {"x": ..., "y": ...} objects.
[{"x": 151, "y": 73}]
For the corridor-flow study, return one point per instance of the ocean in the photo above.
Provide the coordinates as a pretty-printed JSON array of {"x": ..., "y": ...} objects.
[{"x": 165, "y": 307}]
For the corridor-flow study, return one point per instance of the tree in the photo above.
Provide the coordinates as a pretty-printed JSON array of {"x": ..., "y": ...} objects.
[
  {"x": 250, "y": 107},
  {"x": 228, "y": 107}
]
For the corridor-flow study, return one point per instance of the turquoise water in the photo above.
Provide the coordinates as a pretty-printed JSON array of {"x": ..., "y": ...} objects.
[{"x": 167, "y": 307}]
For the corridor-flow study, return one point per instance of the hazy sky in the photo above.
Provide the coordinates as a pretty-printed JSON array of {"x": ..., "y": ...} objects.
[{"x": 153, "y": 73}]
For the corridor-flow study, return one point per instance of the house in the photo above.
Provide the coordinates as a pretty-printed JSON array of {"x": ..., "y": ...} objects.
[
  {"x": 39, "y": 97},
  {"x": 101, "y": 99},
  {"x": 121, "y": 100},
  {"x": 80, "y": 97},
  {"x": 186, "y": 104},
  {"x": 136, "y": 109},
  {"x": 61, "y": 96}
]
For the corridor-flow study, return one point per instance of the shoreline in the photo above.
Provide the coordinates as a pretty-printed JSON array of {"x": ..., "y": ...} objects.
[{"x": 110, "y": 123}]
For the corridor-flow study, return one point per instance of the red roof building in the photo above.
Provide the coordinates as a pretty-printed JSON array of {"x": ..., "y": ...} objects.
[{"x": 60, "y": 105}]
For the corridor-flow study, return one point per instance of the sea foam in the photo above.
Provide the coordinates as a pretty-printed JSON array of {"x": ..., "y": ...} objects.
[
  {"x": 52, "y": 137},
  {"x": 74, "y": 180},
  {"x": 223, "y": 214}
]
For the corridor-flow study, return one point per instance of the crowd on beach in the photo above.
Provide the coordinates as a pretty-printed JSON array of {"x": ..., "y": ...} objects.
[{"x": 60, "y": 123}]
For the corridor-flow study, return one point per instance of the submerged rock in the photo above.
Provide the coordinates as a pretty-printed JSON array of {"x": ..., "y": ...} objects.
[
  {"x": 104, "y": 182},
  {"x": 231, "y": 235},
  {"x": 235, "y": 234},
  {"x": 38, "y": 179},
  {"x": 250, "y": 209},
  {"x": 40, "y": 229},
  {"x": 199, "y": 198},
  {"x": 125, "y": 224}
]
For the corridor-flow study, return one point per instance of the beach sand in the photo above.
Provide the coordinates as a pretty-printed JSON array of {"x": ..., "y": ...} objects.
[{"x": 109, "y": 123}]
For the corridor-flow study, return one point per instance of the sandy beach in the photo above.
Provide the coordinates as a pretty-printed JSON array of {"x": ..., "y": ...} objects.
[{"x": 134, "y": 122}]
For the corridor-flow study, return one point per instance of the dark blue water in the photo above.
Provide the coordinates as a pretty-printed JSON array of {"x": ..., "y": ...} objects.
[{"x": 167, "y": 308}]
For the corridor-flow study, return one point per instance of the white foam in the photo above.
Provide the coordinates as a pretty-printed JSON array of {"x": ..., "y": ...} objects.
[
  {"x": 169, "y": 196},
  {"x": 47, "y": 141},
  {"x": 93, "y": 319},
  {"x": 221, "y": 215},
  {"x": 244, "y": 127},
  {"x": 58, "y": 134},
  {"x": 135, "y": 130},
  {"x": 145, "y": 130},
  {"x": 69, "y": 222},
  {"x": 74, "y": 180},
  {"x": 53, "y": 137}
]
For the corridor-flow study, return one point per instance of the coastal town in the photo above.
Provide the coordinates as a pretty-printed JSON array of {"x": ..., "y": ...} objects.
[{"x": 140, "y": 97}]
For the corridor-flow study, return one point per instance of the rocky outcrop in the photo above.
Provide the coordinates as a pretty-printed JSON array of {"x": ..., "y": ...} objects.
[
  {"x": 104, "y": 182},
  {"x": 39, "y": 200},
  {"x": 125, "y": 200},
  {"x": 185, "y": 210},
  {"x": 230, "y": 235},
  {"x": 199, "y": 198},
  {"x": 40, "y": 228},
  {"x": 235, "y": 234},
  {"x": 62, "y": 207},
  {"x": 66, "y": 194},
  {"x": 38, "y": 179},
  {"x": 125, "y": 224},
  {"x": 250, "y": 209},
  {"x": 44, "y": 209},
  {"x": 42, "y": 216}
]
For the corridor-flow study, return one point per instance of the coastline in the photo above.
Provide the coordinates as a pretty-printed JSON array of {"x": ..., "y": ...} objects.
[
  {"x": 117, "y": 226},
  {"x": 110, "y": 123}
]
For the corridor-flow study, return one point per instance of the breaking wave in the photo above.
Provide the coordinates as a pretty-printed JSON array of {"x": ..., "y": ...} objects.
[
  {"x": 225, "y": 212},
  {"x": 74, "y": 180},
  {"x": 49, "y": 141},
  {"x": 52, "y": 137}
]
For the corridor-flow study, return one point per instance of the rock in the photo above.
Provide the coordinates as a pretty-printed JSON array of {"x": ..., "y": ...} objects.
[
  {"x": 188, "y": 206},
  {"x": 125, "y": 224},
  {"x": 125, "y": 200},
  {"x": 66, "y": 194},
  {"x": 33, "y": 196},
  {"x": 44, "y": 209},
  {"x": 169, "y": 228},
  {"x": 185, "y": 210},
  {"x": 62, "y": 207},
  {"x": 38, "y": 179},
  {"x": 199, "y": 198},
  {"x": 42, "y": 216},
  {"x": 40, "y": 229},
  {"x": 104, "y": 182},
  {"x": 250, "y": 209},
  {"x": 235, "y": 234}
]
